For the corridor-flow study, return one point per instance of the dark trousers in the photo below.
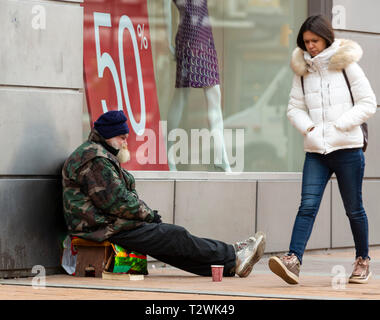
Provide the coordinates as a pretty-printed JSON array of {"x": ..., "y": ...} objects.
[
  {"x": 175, "y": 246},
  {"x": 348, "y": 166}
]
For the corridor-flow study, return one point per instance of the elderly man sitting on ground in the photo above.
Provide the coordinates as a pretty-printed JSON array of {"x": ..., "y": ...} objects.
[{"x": 101, "y": 203}]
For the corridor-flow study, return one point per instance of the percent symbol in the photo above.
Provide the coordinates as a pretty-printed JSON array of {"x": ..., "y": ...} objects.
[{"x": 143, "y": 39}]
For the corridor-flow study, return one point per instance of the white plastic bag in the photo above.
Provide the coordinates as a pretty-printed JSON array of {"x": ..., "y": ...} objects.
[{"x": 69, "y": 258}]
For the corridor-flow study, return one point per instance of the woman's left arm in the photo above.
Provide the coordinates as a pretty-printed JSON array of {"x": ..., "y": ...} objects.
[{"x": 365, "y": 100}]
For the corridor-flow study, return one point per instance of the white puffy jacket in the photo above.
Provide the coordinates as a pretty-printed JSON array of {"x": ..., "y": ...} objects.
[{"x": 326, "y": 104}]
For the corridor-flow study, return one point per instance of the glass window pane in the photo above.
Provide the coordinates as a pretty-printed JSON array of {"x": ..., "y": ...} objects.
[{"x": 253, "y": 41}]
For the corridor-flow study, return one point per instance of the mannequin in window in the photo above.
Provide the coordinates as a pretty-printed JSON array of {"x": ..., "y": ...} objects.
[{"x": 197, "y": 67}]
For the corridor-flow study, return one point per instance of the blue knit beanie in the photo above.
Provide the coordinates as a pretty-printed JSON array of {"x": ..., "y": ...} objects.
[{"x": 112, "y": 124}]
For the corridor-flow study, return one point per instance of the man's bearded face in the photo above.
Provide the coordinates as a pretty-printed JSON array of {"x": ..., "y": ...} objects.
[
  {"x": 124, "y": 155},
  {"x": 120, "y": 143}
]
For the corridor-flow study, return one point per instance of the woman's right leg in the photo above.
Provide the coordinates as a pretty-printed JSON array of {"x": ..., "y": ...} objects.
[
  {"x": 316, "y": 174},
  {"x": 349, "y": 173}
]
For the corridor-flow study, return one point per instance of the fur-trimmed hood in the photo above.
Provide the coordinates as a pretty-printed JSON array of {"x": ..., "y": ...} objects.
[{"x": 348, "y": 51}]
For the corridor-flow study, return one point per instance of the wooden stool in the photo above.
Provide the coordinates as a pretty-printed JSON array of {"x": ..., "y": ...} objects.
[{"x": 92, "y": 257}]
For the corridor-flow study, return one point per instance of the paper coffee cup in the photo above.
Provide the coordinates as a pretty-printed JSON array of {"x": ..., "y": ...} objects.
[{"x": 217, "y": 272}]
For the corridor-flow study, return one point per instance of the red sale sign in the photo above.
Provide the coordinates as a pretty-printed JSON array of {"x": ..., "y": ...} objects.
[{"x": 119, "y": 75}]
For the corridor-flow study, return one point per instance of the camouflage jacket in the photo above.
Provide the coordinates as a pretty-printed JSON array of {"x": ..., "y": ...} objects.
[{"x": 99, "y": 196}]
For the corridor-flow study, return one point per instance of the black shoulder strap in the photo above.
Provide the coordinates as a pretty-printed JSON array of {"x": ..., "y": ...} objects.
[
  {"x": 303, "y": 86},
  {"x": 349, "y": 86}
]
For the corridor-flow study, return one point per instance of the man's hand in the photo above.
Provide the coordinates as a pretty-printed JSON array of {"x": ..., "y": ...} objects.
[{"x": 157, "y": 217}]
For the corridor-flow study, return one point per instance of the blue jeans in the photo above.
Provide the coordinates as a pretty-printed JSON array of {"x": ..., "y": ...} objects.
[{"x": 348, "y": 166}]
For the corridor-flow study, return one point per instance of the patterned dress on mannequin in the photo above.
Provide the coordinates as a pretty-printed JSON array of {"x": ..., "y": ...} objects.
[{"x": 197, "y": 62}]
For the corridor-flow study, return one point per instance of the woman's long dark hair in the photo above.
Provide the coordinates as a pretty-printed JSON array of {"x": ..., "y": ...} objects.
[{"x": 318, "y": 25}]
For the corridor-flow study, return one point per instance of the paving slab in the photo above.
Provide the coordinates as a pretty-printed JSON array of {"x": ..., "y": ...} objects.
[{"x": 317, "y": 282}]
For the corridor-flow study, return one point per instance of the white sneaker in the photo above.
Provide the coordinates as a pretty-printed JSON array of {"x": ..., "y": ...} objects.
[{"x": 248, "y": 253}]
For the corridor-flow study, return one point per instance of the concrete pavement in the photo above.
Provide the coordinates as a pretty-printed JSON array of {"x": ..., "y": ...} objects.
[{"x": 320, "y": 279}]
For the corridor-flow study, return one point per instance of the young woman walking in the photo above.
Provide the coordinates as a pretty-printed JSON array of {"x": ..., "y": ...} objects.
[{"x": 322, "y": 109}]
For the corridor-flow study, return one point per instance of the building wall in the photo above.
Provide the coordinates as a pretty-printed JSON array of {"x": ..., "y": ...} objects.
[{"x": 41, "y": 101}]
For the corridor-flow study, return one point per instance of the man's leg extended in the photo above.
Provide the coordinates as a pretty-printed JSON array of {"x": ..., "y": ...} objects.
[{"x": 174, "y": 245}]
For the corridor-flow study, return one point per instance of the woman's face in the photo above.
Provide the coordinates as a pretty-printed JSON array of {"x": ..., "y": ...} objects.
[{"x": 314, "y": 43}]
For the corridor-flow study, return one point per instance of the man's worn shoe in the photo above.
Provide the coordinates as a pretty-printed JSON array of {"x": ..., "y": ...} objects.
[
  {"x": 248, "y": 253},
  {"x": 287, "y": 268},
  {"x": 361, "y": 272}
]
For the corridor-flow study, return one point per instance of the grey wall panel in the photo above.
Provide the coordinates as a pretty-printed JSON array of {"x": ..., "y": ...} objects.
[
  {"x": 31, "y": 223},
  {"x": 39, "y": 130},
  {"x": 372, "y": 154},
  {"x": 370, "y": 44},
  {"x": 158, "y": 195},
  {"x": 342, "y": 236},
  {"x": 216, "y": 209},
  {"x": 320, "y": 7},
  {"x": 49, "y": 57},
  {"x": 277, "y": 207},
  {"x": 371, "y": 191},
  {"x": 354, "y": 12},
  {"x": 371, "y": 47}
]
